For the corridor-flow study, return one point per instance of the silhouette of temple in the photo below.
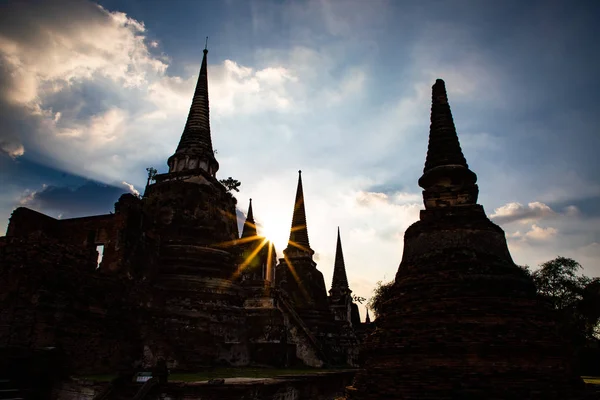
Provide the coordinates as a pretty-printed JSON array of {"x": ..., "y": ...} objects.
[
  {"x": 463, "y": 321},
  {"x": 176, "y": 282},
  {"x": 179, "y": 286}
]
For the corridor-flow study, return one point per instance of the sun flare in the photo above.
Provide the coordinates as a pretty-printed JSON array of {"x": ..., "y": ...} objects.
[{"x": 276, "y": 231}]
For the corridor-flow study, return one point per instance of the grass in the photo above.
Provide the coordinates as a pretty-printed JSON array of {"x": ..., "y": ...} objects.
[
  {"x": 594, "y": 380},
  {"x": 253, "y": 373},
  {"x": 224, "y": 373}
]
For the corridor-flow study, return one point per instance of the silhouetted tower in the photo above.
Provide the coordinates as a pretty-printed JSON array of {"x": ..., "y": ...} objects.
[
  {"x": 298, "y": 241},
  {"x": 195, "y": 146},
  {"x": 340, "y": 280},
  {"x": 462, "y": 321},
  {"x": 194, "y": 217},
  {"x": 297, "y": 271},
  {"x": 340, "y": 298},
  {"x": 249, "y": 230}
]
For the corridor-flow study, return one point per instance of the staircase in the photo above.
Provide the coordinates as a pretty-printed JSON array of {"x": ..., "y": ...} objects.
[{"x": 287, "y": 308}]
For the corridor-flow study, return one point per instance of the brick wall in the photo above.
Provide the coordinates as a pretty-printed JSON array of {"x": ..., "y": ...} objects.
[{"x": 53, "y": 296}]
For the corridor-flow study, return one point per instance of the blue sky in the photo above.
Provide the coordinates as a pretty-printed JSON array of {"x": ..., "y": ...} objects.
[{"x": 93, "y": 93}]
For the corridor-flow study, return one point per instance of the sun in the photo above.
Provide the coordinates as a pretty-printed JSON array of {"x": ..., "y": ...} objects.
[{"x": 276, "y": 231}]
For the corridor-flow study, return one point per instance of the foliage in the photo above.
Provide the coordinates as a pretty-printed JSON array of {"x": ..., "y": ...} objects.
[
  {"x": 575, "y": 296},
  {"x": 558, "y": 282},
  {"x": 231, "y": 184},
  {"x": 358, "y": 299},
  {"x": 151, "y": 174},
  {"x": 381, "y": 294}
]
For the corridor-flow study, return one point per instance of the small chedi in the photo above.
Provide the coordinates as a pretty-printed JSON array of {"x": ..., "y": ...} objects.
[
  {"x": 463, "y": 321},
  {"x": 176, "y": 283}
]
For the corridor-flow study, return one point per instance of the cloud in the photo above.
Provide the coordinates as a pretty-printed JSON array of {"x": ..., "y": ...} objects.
[
  {"x": 591, "y": 250},
  {"x": 131, "y": 188},
  {"x": 56, "y": 53},
  {"x": 480, "y": 141},
  {"x": 89, "y": 199},
  {"x": 536, "y": 233},
  {"x": 90, "y": 113},
  {"x": 65, "y": 66},
  {"x": 532, "y": 241},
  {"x": 239, "y": 89},
  {"x": 516, "y": 212},
  {"x": 446, "y": 50},
  {"x": 12, "y": 148}
]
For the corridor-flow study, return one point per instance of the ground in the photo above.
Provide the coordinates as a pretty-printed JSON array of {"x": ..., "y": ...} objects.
[{"x": 226, "y": 373}]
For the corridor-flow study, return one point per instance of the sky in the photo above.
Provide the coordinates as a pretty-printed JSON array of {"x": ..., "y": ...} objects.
[{"x": 91, "y": 94}]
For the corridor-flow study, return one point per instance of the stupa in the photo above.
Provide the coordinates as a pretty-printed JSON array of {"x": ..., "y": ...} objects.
[{"x": 463, "y": 321}]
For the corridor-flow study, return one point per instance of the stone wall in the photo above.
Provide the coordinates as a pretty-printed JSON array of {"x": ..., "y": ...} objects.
[
  {"x": 116, "y": 232},
  {"x": 25, "y": 222},
  {"x": 52, "y": 296}
]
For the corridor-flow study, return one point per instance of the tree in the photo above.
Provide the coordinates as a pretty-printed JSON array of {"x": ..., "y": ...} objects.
[
  {"x": 382, "y": 293},
  {"x": 558, "y": 282},
  {"x": 575, "y": 296},
  {"x": 589, "y": 308},
  {"x": 151, "y": 174},
  {"x": 231, "y": 184}
]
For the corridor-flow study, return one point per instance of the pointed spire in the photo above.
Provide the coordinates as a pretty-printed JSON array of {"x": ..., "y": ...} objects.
[
  {"x": 340, "y": 280},
  {"x": 367, "y": 319},
  {"x": 446, "y": 168},
  {"x": 299, "y": 231},
  {"x": 444, "y": 148},
  {"x": 249, "y": 229},
  {"x": 195, "y": 146}
]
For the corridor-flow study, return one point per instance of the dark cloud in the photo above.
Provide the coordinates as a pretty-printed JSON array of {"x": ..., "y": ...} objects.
[
  {"x": 92, "y": 198},
  {"x": 589, "y": 207},
  {"x": 26, "y": 23}
]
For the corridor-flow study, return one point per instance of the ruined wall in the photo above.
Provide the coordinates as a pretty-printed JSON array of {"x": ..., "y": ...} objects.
[
  {"x": 53, "y": 296},
  {"x": 117, "y": 232},
  {"x": 26, "y": 222}
]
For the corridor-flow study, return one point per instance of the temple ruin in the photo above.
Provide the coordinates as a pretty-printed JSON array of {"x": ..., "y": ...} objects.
[
  {"x": 176, "y": 282},
  {"x": 178, "y": 286},
  {"x": 463, "y": 321}
]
